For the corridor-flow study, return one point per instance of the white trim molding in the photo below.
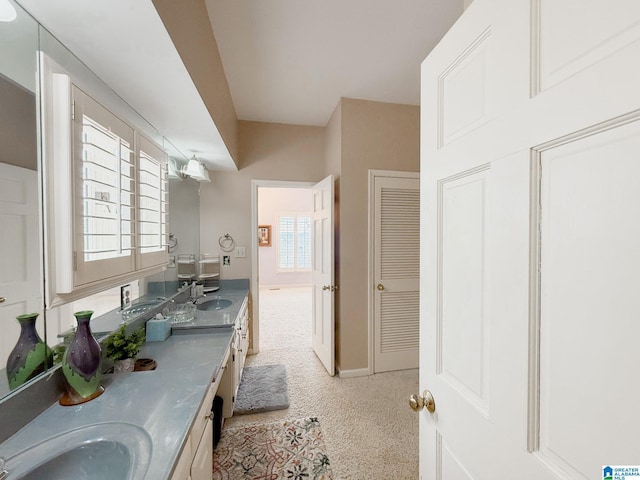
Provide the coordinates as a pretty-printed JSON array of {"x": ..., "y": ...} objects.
[{"x": 355, "y": 372}]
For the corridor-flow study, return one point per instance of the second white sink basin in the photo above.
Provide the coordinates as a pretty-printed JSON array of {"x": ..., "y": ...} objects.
[
  {"x": 99, "y": 452},
  {"x": 215, "y": 304}
]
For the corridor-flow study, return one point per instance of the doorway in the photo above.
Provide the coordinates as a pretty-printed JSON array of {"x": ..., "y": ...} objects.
[
  {"x": 284, "y": 266},
  {"x": 281, "y": 279},
  {"x": 322, "y": 262}
]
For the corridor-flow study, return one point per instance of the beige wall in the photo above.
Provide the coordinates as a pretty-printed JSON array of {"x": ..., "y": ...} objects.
[
  {"x": 273, "y": 203},
  {"x": 333, "y": 166},
  {"x": 188, "y": 25},
  {"x": 184, "y": 218},
  {"x": 378, "y": 136},
  {"x": 17, "y": 126},
  {"x": 333, "y": 144},
  {"x": 361, "y": 135},
  {"x": 267, "y": 151}
]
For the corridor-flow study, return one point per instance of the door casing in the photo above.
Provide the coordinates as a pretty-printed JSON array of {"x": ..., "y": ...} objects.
[{"x": 255, "y": 281}]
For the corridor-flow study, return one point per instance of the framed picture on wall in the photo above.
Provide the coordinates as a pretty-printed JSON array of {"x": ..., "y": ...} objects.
[{"x": 264, "y": 235}]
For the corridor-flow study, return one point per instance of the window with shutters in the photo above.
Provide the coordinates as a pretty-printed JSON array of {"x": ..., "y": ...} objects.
[
  {"x": 121, "y": 215},
  {"x": 294, "y": 243},
  {"x": 152, "y": 203},
  {"x": 107, "y": 188},
  {"x": 104, "y": 190}
]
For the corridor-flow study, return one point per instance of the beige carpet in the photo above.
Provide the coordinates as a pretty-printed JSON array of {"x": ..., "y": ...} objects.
[{"x": 369, "y": 430}]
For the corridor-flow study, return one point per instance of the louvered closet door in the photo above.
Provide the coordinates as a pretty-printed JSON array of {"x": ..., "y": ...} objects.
[{"x": 396, "y": 278}]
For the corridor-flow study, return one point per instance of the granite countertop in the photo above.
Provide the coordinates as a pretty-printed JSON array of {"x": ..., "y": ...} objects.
[
  {"x": 105, "y": 324},
  {"x": 207, "y": 319},
  {"x": 163, "y": 402}
]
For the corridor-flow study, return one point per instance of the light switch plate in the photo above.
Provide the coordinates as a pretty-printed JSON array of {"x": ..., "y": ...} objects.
[{"x": 241, "y": 252}]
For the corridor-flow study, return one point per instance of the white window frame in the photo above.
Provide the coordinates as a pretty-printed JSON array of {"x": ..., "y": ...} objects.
[
  {"x": 71, "y": 276},
  {"x": 88, "y": 271},
  {"x": 295, "y": 268}
]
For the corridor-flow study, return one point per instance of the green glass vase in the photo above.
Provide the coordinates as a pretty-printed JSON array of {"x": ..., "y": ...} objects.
[
  {"x": 31, "y": 356},
  {"x": 81, "y": 364}
]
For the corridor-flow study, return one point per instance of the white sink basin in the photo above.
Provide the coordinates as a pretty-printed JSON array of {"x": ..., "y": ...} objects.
[
  {"x": 215, "y": 304},
  {"x": 99, "y": 452}
]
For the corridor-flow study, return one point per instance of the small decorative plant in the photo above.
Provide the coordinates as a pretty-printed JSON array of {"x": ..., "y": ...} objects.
[
  {"x": 123, "y": 348},
  {"x": 59, "y": 349}
]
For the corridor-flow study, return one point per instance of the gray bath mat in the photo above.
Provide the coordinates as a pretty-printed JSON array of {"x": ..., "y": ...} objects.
[{"x": 263, "y": 388}]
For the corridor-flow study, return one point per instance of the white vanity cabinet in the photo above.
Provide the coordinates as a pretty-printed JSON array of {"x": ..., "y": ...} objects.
[
  {"x": 242, "y": 339},
  {"x": 235, "y": 365},
  {"x": 196, "y": 459}
]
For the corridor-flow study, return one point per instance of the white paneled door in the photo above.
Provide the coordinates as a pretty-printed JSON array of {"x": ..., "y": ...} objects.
[
  {"x": 530, "y": 221},
  {"x": 323, "y": 322},
  {"x": 396, "y": 273},
  {"x": 20, "y": 283}
]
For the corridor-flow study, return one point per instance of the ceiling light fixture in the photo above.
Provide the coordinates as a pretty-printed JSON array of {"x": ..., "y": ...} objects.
[
  {"x": 196, "y": 170},
  {"x": 173, "y": 171},
  {"x": 7, "y": 11}
]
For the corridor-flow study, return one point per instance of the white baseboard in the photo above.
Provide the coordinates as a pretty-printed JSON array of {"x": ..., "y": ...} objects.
[{"x": 356, "y": 372}]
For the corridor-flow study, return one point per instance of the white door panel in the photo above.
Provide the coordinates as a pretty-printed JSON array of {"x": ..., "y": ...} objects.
[
  {"x": 529, "y": 231},
  {"x": 395, "y": 281},
  {"x": 588, "y": 298},
  {"x": 323, "y": 322},
  {"x": 20, "y": 282}
]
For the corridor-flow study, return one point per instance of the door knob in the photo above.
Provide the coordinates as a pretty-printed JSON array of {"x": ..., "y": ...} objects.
[
  {"x": 380, "y": 287},
  {"x": 2, "y": 299},
  {"x": 417, "y": 402},
  {"x": 326, "y": 287}
]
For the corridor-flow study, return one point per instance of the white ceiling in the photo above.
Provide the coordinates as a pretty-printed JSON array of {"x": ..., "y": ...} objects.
[
  {"x": 290, "y": 61},
  {"x": 286, "y": 61}
]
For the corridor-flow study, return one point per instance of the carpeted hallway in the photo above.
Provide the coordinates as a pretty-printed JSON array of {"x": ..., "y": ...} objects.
[{"x": 369, "y": 430}]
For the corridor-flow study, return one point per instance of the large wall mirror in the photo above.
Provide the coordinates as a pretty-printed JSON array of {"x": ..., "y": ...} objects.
[
  {"x": 22, "y": 282},
  {"x": 21, "y": 278}
]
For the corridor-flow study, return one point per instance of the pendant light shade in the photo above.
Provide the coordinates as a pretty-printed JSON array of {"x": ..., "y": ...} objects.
[
  {"x": 196, "y": 170},
  {"x": 7, "y": 11}
]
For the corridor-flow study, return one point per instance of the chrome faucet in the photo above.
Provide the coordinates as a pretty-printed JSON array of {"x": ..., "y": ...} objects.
[{"x": 196, "y": 293}]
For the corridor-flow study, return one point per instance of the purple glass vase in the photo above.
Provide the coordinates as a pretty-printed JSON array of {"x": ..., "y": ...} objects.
[
  {"x": 30, "y": 356},
  {"x": 81, "y": 364}
]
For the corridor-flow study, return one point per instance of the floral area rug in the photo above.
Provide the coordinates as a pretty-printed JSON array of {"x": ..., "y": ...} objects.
[{"x": 291, "y": 450}]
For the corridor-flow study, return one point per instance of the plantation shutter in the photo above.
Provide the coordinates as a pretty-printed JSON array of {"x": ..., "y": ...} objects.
[
  {"x": 152, "y": 204},
  {"x": 105, "y": 199},
  {"x": 294, "y": 242}
]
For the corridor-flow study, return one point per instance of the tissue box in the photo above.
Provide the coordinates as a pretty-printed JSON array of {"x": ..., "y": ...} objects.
[{"x": 158, "y": 329}]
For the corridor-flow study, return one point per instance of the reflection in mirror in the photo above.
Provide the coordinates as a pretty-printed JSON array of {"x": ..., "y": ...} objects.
[
  {"x": 105, "y": 302},
  {"x": 20, "y": 199},
  {"x": 184, "y": 216},
  {"x": 22, "y": 288}
]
